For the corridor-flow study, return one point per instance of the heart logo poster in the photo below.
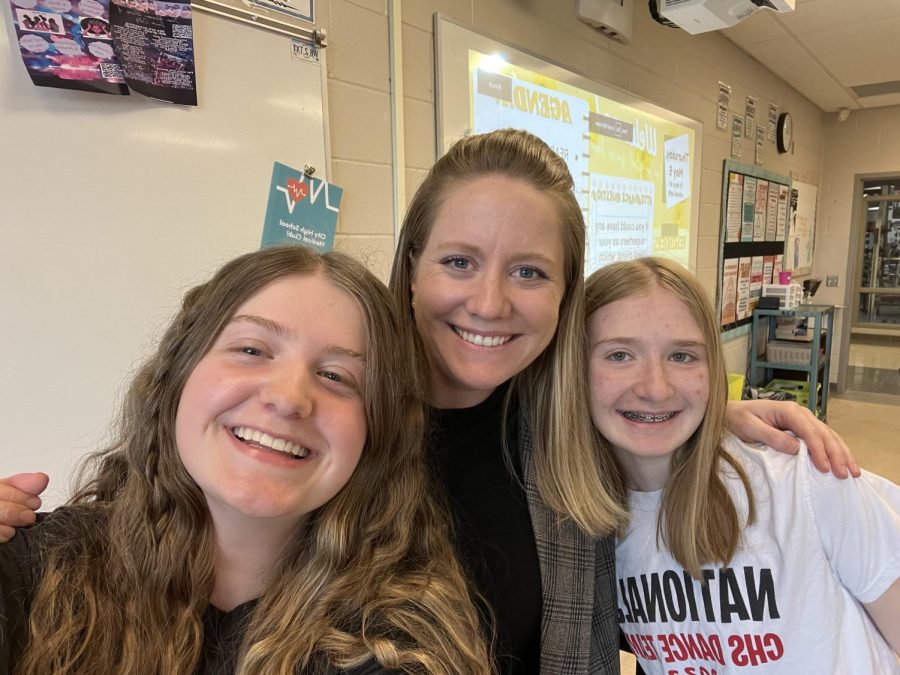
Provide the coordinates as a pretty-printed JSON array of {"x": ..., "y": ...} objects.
[{"x": 300, "y": 210}]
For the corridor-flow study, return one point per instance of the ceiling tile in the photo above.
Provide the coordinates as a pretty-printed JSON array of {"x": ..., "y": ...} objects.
[
  {"x": 772, "y": 51},
  {"x": 760, "y": 27},
  {"x": 853, "y": 36},
  {"x": 831, "y": 98},
  {"x": 879, "y": 63},
  {"x": 821, "y": 15}
]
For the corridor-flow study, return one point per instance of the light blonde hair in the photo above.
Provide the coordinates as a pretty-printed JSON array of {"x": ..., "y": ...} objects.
[
  {"x": 698, "y": 521},
  {"x": 371, "y": 573},
  {"x": 572, "y": 477}
]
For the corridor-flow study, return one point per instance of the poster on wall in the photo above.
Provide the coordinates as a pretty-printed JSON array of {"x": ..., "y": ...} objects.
[
  {"x": 737, "y": 133},
  {"x": 729, "y": 291},
  {"x": 801, "y": 234},
  {"x": 734, "y": 208},
  {"x": 154, "y": 40},
  {"x": 722, "y": 102},
  {"x": 750, "y": 106},
  {"x": 67, "y": 44},
  {"x": 300, "y": 210}
]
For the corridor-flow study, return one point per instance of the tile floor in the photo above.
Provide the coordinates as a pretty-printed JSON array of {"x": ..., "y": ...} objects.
[
  {"x": 872, "y": 430},
  {"x": 874, "y": 364}
]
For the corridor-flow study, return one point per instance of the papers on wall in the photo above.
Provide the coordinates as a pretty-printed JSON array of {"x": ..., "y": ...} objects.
[{"x": 154, "y": 40}]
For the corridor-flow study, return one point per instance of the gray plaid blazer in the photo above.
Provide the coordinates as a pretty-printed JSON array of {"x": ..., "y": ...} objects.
[{"x": 579, "y": 628}]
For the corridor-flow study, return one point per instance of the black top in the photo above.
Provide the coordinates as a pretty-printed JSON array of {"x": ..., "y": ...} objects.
[
  {"x": 494, "y": 537},
  {"x": 20, "y": 562}
]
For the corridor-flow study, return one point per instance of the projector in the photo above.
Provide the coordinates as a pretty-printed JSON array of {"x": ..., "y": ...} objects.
[{"x": 702, "y": 16}]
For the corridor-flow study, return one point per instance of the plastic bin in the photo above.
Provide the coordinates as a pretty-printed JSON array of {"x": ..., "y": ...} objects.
[{"x": 788, "y": 352}]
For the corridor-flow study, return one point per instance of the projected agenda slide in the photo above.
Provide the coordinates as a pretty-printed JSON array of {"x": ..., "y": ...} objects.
[{"x": 632, "y": 169}]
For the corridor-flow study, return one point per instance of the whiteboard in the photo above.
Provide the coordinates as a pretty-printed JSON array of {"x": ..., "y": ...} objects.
[{"x": 111, "y": 207}]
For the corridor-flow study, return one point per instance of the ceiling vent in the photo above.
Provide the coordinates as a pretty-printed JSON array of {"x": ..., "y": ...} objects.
[{"x": 876, "y": 89}]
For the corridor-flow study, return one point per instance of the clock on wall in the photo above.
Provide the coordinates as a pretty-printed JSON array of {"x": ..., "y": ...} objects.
[{"x": 784, "y": 133}]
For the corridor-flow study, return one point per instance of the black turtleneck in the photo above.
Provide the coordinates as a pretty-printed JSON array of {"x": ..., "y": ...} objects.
[{"x": 494, "y": 537}]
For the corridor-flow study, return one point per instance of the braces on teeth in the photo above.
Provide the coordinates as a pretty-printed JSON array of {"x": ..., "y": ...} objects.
[{"x": 638, "y": 417}]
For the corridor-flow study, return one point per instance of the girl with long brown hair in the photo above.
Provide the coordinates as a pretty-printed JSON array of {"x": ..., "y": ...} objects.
[{"x": 265, "y": 508}]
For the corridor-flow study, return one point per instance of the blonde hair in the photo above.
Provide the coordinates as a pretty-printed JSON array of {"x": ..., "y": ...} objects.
[
  {"x": 698, "y": 521},
  {"x": 371, "y": 572},
  {"x": 572, "y": 477}
]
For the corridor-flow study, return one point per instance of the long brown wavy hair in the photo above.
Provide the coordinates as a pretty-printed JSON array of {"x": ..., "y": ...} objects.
[
  {"x": 572, "y": 477},
  {"x": 371, "y": 573},
  {"x": 698, "y": 521}
]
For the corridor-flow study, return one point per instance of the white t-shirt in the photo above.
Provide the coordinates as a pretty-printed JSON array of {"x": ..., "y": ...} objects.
[{"x": 789, "y": 601}]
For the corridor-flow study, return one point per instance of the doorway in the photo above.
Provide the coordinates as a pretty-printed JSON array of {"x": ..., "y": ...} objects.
[{"x": 873, "y": 365}]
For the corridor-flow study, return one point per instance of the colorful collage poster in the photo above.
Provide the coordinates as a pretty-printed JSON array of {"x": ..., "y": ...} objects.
[
  {"x": 67, "y": 44},
  {"x": 155, "y": 43}
]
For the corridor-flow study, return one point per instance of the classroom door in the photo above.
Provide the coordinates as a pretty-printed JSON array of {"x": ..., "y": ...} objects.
[{"x": 874, "y": 364}]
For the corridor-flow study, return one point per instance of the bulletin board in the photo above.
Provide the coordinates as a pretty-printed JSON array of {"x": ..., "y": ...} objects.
[
  {"x": 112, "y": 206},
  {"x": 753, "y": 228},
  {"x": 636, "y": 165}
]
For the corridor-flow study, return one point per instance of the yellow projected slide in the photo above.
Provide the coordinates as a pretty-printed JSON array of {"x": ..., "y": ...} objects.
[{"x": 632, "y": 169}]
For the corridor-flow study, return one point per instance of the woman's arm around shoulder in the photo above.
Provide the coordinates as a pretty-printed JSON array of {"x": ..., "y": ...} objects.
[
  {"x": 19, "y": 499},
  {"x": 763, "y": 421}
]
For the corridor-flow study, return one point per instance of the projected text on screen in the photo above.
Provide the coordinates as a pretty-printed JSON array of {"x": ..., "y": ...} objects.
[{"x": 632, "y": 169}]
